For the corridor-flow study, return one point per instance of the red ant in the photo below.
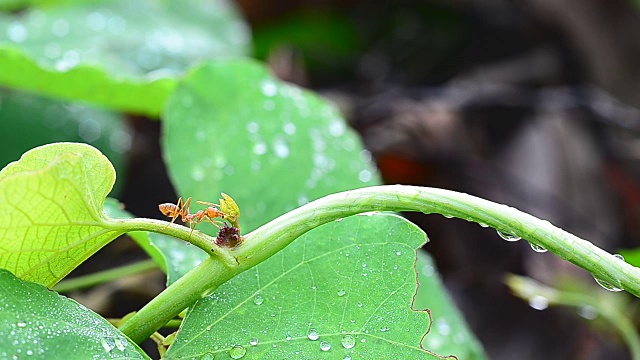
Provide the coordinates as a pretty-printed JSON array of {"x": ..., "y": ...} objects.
[{"x": 181, "y": 209}]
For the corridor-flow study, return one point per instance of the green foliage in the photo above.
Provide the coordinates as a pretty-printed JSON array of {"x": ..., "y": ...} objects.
[
  {"x": 38, "y": 323},
  {"x": 28, "y": 121},
  {"x": 51, "y": 216},
  {"x": 121, "y": 54},
  {"x": 230, "y": 121},
  {"x": 351, "y": 280}
]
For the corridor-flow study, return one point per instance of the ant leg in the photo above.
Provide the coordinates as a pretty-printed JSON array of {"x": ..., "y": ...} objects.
[{"x": 185, "y": 205}]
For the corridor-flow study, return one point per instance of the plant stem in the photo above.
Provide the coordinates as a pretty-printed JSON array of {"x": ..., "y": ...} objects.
[
  {"x": 277, "y": 234},
  {"x": 527, "y": 288},
  {"x": 197, "y": 238},
  {"x": 100, "y": 277}
]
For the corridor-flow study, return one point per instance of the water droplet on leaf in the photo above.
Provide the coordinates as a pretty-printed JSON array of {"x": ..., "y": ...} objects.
[
  {"x": 341, "y": 292},
  {"x": 253, "y": 342},
  {"x": 348, "y": 341},
  {"x": 313, "y": 334},
  {"x": 258, "y": 300},
  {"x": 237, "y": 352},
  {"x": 325, "y": 346}
]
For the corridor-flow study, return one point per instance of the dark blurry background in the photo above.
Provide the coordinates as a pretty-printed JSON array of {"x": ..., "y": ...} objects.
[{"x": 531, "y": 103}]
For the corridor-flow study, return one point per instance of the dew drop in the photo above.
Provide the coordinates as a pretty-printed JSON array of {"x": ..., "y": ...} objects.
[
  {"x": 60, "y": 28},
  {"x": 16, "y": 32},
  {"x": 443, "y": 327},
  {"x": 348, "y": 341},
  {"x": 119, "y": 345},
  {"x": 289, "y": 128},
  {"x": 607, "y": 286},
  {"x": 483, "y": 225},
  {"x": 253, "y": 342},
  {"x": 364, "y": 176},
  {"x": 347, "y": 357},
  {"x": 508, "y": 236},
  {"x": 337, "y": 128},
  {"x": 341, "y": 292},
  {"x": 208, "y": 356},
  {"x": 260, "y": 148},
  {"x": 538, "y": 302},
  {"x": 384, "y": 329},
  {"x": 313, "y": 335},
  {"x": 537, "y": 248},
  {"x": 587, "y": 311},
  {"x": 253, "y": 127},
  {"x": 618, "y": 256},
  {"x": 269, "y": 88},
  {"x": 359, "y": 304},
  {"x": 90, "y": 129},
  {"x": 338, "y": 220},
  {"x": 237, "y": 352},
  {"x": 258, "y": 300},
  {"x": 325, "y": 346},
  {"x": 107, "y": 345},
  {"x": 281, "y": 148},
  {"x": 21, "y": 324},
  {"x": 197, "y": 174},
  {"x": 288, "y": 338},
  {"x": 398, "y": 253}
]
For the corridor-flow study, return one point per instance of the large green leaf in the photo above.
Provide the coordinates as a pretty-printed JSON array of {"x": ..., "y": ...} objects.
[
  {"x": 449, "y": 332},
  {"x": 51, "y": 215},
  {"x": 347, "y": 285},
  {"x": 231, "y": 127},
  {"x": 28, "y": 121},
  {"x": 36, "y": 323},
  {"x": 121, "y": 54}
]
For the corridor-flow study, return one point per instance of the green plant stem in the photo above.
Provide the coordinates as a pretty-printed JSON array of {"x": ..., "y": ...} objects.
[
  {"x": 100, "y": 277},
  {"x": 197, "y": 238},
  {"x": 275, "y": 235},
  {"x": 527, "y": 288}
]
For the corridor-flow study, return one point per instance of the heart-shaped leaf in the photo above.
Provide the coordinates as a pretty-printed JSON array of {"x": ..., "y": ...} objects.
[
  {"x": 343, "y": 289},
  {"x": 40, "y": 324},
  {"x": 51, "y": 215}
]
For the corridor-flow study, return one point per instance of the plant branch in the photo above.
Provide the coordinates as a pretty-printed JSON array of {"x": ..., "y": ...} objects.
[
  {"x": 277, "y": 234},
  {"x": 527, "y": 288},
  {"x": 197, "y": 238}
]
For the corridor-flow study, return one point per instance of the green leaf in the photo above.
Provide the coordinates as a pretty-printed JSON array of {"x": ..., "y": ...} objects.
[
  {"x": 232, "y": 127},
  {"x": 180, "y": 256},
  {"x": 40, "y": 324},
  {"x": 450, "y": 333},
  {"x": 343, "y": 278},
  {"x": 51, "y": 215},
  {"x": 28, "y": 121},
  {"x": 121, "y": 54}
]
